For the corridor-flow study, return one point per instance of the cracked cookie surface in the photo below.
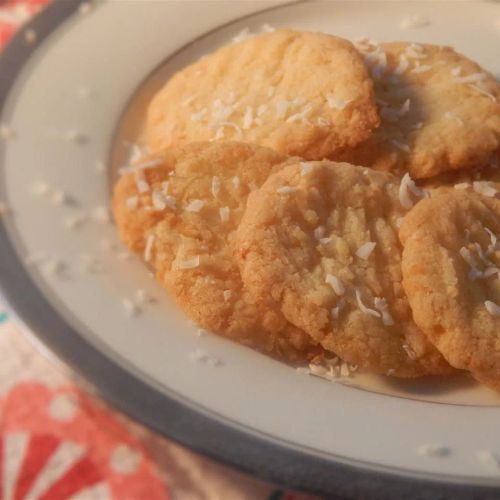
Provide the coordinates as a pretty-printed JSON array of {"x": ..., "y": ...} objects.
[
  {"x": 301, "y": 93},
  {"x": 319, "y": 243}
]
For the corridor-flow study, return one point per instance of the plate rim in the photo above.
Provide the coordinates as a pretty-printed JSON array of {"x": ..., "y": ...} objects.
[{"x": 157, "y": 411}]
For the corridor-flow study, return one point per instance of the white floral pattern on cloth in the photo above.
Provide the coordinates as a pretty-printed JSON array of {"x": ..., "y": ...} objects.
[{"x": 14, "y": 13}]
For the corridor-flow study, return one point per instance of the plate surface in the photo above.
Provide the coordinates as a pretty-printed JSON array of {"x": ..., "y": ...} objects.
[{"x": 76, "y": 103}]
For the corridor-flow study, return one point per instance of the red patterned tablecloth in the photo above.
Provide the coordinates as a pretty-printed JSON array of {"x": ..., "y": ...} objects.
[{"x": 57, "y": 441}]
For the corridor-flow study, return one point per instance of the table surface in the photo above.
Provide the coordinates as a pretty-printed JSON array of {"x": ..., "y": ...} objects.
[{"x": 58, "y": 440}]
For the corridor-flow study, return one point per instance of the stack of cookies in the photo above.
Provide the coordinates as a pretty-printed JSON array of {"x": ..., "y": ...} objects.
[{"x": 317, "y": 200}]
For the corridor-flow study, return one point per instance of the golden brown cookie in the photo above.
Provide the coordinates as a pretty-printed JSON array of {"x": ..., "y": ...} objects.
[
  {"x": 181, "y": 214},
  {"x": 451, "y": 271},
  {"x": 306, "y": 94},
  {"x": 440, "y": 111},
  {"x": 484, "y": 181},
  {"x": 319, "y": 243}
]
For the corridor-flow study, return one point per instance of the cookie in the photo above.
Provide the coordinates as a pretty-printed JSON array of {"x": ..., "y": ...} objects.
[
  {"x": 484, "y": 181},
  {"x": 319, "y": 243},
  {"x": 181, "y": 215},
  {"x": 439, "y": 110},
  {"x": 305, "y": 94},
  {"x": 451, "y": 271}
]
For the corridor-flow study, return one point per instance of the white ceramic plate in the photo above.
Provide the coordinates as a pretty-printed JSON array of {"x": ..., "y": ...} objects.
[{"x": 76, "y": 100}]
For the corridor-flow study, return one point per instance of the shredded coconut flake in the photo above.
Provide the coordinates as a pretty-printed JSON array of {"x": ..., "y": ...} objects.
[
  {"x": 199, "y": 115},
  {"x": 484, "y": 92},
  {"x": 400, "y": 145},
  {"x": 486, "y": 188},
  {"x": 493, "y": 241},
  {"x": 335, "y": 311},
  {"x": 322, "y": 371},
  {"x": 363, "y": 308},
  {"x": 300, "y": 370},
  {"x": 143, "y": 297},
  {"x": 187, "y": 101},
  {"x": 472, "y": 78},
  {"x": 262, "y": 109},
  {"x": 433, "y": 450},
  {"x": 405, "y": 108},
  {"x": 489, "y": 458},
  {"x": 141, "y": 182},
  {"x": 101, "y": 214},
  {"x": 148, "y": 249},
  {"x": 402, "y": 66},
  {"x": 201, "y": 356},
  {"x": 365, "y": 250},
  {"x": 40, "y": 189},
  {"x": 267, "y": 28},
  {"x": 337, "y": 102},
  {"x": 75, "y": 136},
  {"x": 286, "y": 189},
  {"x": 319, "y": 232},
  {"x": 452, "y": 116},
  {"x": 244, "y": 34},
  {"x": 462, "y": 186},
  {"x": 131, "y": 202},
  {"x": 247, "y": 118},
  {"x": 414, "y": 21},
  {"x": 59, "y": 198},
  {"x": 75, "y": 221},
  {"x": 131, "y": 309},
  {"x": 421, "y": 68},
  {"x": 492, "y": 308},
  {"x": 409, "y": 352},
  {"x": 227, "y": 295},
  {"x": 55, "y": 267},
  {"x": 195, "y": 205},
  {"x": 337, "y": 285},
  {"x": 406, "y": 187},
  {"x": 190, "y": 263},
  {"x": 215, "y": 186},
  {"x": 224, "y": 213},
  {"x": 301, "y": 116},
  {"x": 236, "y": 182},
  {"x": 381, "y": 306}
]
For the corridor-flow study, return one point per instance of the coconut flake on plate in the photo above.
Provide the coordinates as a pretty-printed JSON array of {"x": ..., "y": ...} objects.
[
  {"x": 414, "y": 21},
  {"x": 6, "y": 132},
  {"x": 305, "y": 167},
  {"x": 75, "y": 221},
  {"x": 433, "y": 450},
  {"x": 200, "y": 356}
]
